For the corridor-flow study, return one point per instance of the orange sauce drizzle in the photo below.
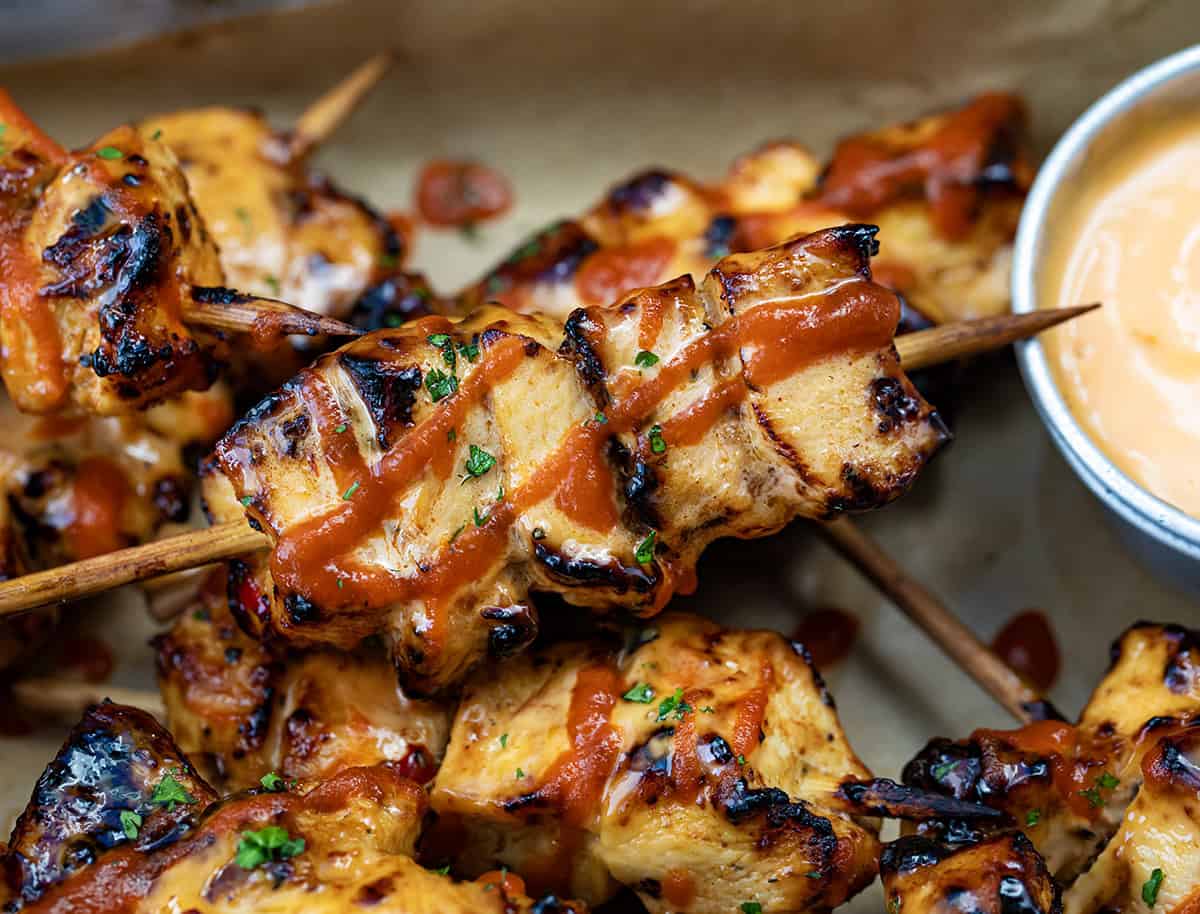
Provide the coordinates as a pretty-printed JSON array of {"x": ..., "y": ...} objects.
[
  {"x": 748, "y": 724},
  {"x": 866, "y": 174},
  {"x": 775, "y": 340},
  {"x": 98, "y": 500}
]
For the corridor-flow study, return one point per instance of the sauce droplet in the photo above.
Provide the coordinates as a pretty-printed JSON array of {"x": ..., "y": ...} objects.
[
  {"x": 1027, "y": 645},
  {"x": 455, "y": 193},
  {"x": 828, "y": 634}
]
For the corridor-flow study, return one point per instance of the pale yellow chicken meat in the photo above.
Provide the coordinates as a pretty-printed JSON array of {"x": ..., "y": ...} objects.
[
  {"x": 420, "y": 482},
  {"x": 120, "y": 823}
]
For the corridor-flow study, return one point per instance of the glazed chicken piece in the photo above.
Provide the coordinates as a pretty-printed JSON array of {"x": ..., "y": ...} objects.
[
  {"x": 421, "y": 482},
  {"x": 283, "y": 230},
  {"x": 1100, "y": 800},
  {"x": 241, "y": 709},
  {"x": 120, "y": 823},
  {"x": 946, "y": 192},
  {"x": 103, "y": 250},
  {"x": 702, "y": 767}
]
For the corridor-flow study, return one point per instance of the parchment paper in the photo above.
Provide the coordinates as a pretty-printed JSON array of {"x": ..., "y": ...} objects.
[{"x": 567, "y": 99}]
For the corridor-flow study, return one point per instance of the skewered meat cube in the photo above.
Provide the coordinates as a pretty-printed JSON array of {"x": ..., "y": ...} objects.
[
  {"x": 703, "y": 767},
  {"x": 120, "y": 823},
  {"x": 946, "y": 192},
  {"x": 1103, "y": 801},
  {"x": 600, "y": 472},
  {"x": 240, "y": 709}
]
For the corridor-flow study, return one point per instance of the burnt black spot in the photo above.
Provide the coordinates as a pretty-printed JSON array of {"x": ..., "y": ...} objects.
[
  {"x": 391, "y": 302},
  {"x": 718, "y": 237},
  {"x": 720, "y": 751},
  {"x": 864, "y": 494},
  {"x": 550, "y": 904},
  {"x": 513, "y": 629},
  {"x": 909, "y": 854},
  {"x": 300, "y": 609},
  {"x": 640, "y": 192},
  {"x": 219, "y": 295},
  {"x": 388, "y": 391},
  {"x": 893, "y": 403},
  {"x": 249, "y": 607},
  {"x": 184, "y": 220},
  {"x": 884, "y": 797},
  {"x": 861, "y": 238},
  {"x": 253, "y": 730},
  {"x": 591, "y": 573},
  {"x": 233, "y": 654},
  {"x": 577, "y": 347},
  {"x": 131, "y": 180}
]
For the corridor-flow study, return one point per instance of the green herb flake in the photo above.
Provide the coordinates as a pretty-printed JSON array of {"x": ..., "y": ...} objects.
[
  {"x": 272, "y": 782},
  {"x": 272, "y": 284},
  {"x": 813, "y": 874},
  {"x": 451, "y": 435},
  {"x": 440, "y": 385},
  {"x": 1033, "y": 817},
  {"x": 645, "y": 550},
  {"x": 109, "y": 153},
  {"x": 1151, "y": 886},
  {"x": 1108, "y": 781},
  {"x": 940, "y": 771},
  {"x": 341, "y": 428},
  {"x": 503, "y": 740},
  {"x": 479, "y": 461},
  {"x": 1093, "y": 796},
  {"x": 265, "y": 845},
  {"x": 443, "y": 870},
  {"x": 349, "y": 493},
  {"x": 469, "y": 351},
  {"x": 645, "y": 359},
  {"x": 130, "y": 823},
  {"x": 642, "y": 693},
  {"x": 657, "y": 444},
  {"x": 520, "y": 774},
  {"x": 601, "y": 418},
  {"x": 170, "y": 792},
  {"x": 246, "y": 500},
  {"x": 341, "y": 583},
  {"x": 742, "y": 760},
  {"x": 243, "y": 215},
  {"x": 480, "y": 519},
  {"x": 893, "y": 905},
  {"x": 156, "y": 135},
  {"x": 751, "y": 907},
  {"x": 443, "y": 342},
  {"x": 674, "y": 705},
  {"x": 707, "y": 709}
]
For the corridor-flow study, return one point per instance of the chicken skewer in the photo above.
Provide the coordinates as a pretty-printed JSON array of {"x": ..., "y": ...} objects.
[
  {"x": 323, "y": 117},
  {"x": 108, "y": 262},
  {"x": 120, "y": 821},
  {"x": 1105, "y": 807}
]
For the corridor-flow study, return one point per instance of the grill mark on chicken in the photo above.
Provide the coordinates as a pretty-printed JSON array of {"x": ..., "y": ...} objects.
[
  {"x": 388, "y": 392},
  {"x": 762, "y": 321}
]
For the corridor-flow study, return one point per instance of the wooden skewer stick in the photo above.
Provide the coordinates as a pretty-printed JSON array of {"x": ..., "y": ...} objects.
[
  {"x": 228, "y": 311},
  {"x": 215, "y": 544},
  {"x": 326, "y": 114},
  {"x": 963, "y": 338},
  {"x": 67, "y": 698},
  {"x": 934, "y": 618}
]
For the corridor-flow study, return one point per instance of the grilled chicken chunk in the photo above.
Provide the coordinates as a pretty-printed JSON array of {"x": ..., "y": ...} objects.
[
  {"x": 283, "y": 230},
  {"x": 241, "y": 709},
  {"x": 120, "y": 823},
  {"x": 1102, "y": 800},
  {"x": 702, "y": 767},
  {"x": 420, "y": 482},
  {"x": 102, "y": 248},
  {"x": 946, "y": 192}
]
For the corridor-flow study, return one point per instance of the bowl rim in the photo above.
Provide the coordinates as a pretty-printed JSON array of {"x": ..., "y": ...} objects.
[{"x": 1128, "y": 499}]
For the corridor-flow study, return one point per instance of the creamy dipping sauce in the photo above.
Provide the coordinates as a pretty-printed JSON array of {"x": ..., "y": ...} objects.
[{"x": 1130, "y": 372}]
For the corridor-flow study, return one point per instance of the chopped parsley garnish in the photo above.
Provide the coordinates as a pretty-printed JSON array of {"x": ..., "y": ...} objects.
[
  {"x": 246, "y": 500},
  {"x": 894, "y": 904},
  {"x": 742, "y": 760},
  {"x": 1033, "y": 817},
  {"x": 1151, "y": 886},
  {"x": 813, "y": 874},
  {"x": 156, "y": 135},
  {"x": 108, "y": 152},
  {"x": 1093, "y": 795},
  {"x": 601, "y": 418},
  {"x": 503, "y": 740},
  {"x": 443, "y": 342},
  {"x": 349, "y": 493},
  {"x": 1108, "y": 781},
  {"x": 130, "y": 823},
  {"x": 243, "y": 215},
  {"x": 479, "y": 461},
  {"x": 443, "y": 870},
  {"x": 265, "y": 845},
  {"x": 707, "y": 709},
  {"x": 674, "y": 705},
  {"x": 480, "y": 519},
  {"x": 520, "y": 774},
  {"x": 341, "y": 583},
  {"x": 645, "y": 550},
  {"x": 271, "y": 781},
  {"x": 451, "y": 435},
  {"x": 169, "y": 792},
  {"x": 641, "y": 693},
  {"x": 940, "y": 771},
  {"x": 272, "y": 284},
  {"x": 440, "y": 385},
  {"x": 469, "y": 351},
  {"x": 657, "y": 445},
  {"x": 341, "y": 428},
  {"x": 645, "y": 359},
  {"x": 751, "y": 907}
]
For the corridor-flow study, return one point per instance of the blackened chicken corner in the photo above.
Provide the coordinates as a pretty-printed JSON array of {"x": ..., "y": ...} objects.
[
  {"x": 421, "y": 481},
  {"x": 120, "y": 822}
]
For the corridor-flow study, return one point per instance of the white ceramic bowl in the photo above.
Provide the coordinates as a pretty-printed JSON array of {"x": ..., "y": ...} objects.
[{"x": 1165, "y": 537}]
